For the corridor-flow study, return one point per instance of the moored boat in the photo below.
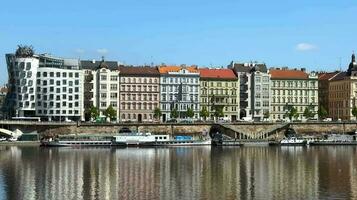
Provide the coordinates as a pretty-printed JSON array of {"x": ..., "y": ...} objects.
[{"x": 292, "y": 141}]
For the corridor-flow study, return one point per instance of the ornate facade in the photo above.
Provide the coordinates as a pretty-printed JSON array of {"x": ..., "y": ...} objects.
[
  {"x": 139, "y": 93},
  {"x": 219, "y": 89}
]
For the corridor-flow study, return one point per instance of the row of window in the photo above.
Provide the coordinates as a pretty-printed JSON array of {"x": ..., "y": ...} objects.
[
  {"x": 58, "y": 82},
  {"x": 293, "y": 100},
  {"x": 179, "y": 107},
  {"x": 58, "y": 74},
  {"x": 138, "y": 80},
  {"x": 53, "y": 104},
  {"x": 295, "y": 92},
  {"x": 284, "y": 109},
  {"x": 139, "y": 88},
  {"x": 295, "y": 84},
  {"x": 179, "y": 88},
  {"x": 135, "y": 116},
  {"x": 219, "y": 92},
  {"x": 45, "y": 112},
  {"x": 179, "y": 80},
  {"x": 138, "y": 106},
  {"x": 218, "y": 84},
  {"x": 139, "y": 97},
  {"x": 181, "y": 97}
]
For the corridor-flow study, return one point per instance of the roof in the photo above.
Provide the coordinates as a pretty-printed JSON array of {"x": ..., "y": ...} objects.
[
  {"x": 288, "y": 74},
  {"x": 167, "y": 69},
  {"x": 3, "y": 90},
  {"x": 327, "y": 76},
  {"x": 226, "y": 74},
  {"x": 140, "y": 70},
  {"x": 249, "y": 67},
  {"x": 93, "y": 64},
  {"x": 340, "y": 76}
]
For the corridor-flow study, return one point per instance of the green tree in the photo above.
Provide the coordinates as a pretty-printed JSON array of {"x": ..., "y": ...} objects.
[
  {"x": 218, "y": 111},
  {"x": 157, "y": 113},
  {"x": 354, "y": 111},
  {"x": 110, "y": 113},
  {"x": 322, "y": 112},
  {"x": 94, "y": 112},
  {"x": 266, "y": 114},
  {"x": 292, "y": 112},
  {"x": 308, "y": 113},
  {"x": 174, "y": 113},
  {"x": 190, "y": 113},
  {"x": 204, "y": 113}
]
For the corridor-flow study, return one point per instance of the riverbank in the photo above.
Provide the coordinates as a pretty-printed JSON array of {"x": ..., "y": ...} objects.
[{"x": 20, "y": 143}]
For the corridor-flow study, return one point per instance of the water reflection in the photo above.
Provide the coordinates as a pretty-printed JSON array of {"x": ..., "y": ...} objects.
[{"x": 178, "y": 173}]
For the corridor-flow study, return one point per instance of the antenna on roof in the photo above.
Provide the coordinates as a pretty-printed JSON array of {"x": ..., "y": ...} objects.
[{"x": 340, "y": 60}]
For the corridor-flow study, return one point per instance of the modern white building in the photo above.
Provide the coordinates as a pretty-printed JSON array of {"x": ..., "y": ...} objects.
[
  {"x": 101, "y": 85},
  {"x": 44, "y": 86},
  {"x": 179, "y": 89},
  {"x": 255, "y": 98}
]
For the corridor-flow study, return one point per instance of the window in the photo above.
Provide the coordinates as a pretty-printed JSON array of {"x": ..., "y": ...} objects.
[
  {"x": 28, "y": 66},
  {"x": 103, "y": 77},
  {"x": 103, "y": 86}
]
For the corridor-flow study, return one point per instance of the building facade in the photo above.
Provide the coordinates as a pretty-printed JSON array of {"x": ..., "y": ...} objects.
[
  {"x": 44, "y": 86},
  {"x": 179, "y": 90},
  {"x": 293, "y": 88},
  {"x": 219, "y": 89},
  {"x": 323, "y": 89},
  {"x": 254, "y": 86},
  {"x": 139, "y": 93},
  {"x": 101, "y": 86},
  {"x": 343, "y": 93}
]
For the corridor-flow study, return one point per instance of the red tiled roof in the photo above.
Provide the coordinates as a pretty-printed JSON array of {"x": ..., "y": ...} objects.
[
  {"x": 288, "y": 74},
  {"x": 166, "y": 69},
  {"x": 217, "y": 74}
]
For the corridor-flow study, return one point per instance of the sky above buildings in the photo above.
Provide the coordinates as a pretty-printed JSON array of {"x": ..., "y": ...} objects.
[{"x": 318, "y": 35}]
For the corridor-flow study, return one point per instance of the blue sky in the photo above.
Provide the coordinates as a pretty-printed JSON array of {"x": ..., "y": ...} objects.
[{"x": 313, "y": 34}]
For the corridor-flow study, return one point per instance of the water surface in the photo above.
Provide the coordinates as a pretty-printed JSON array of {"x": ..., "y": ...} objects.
[{"x": 178, "y": 173}]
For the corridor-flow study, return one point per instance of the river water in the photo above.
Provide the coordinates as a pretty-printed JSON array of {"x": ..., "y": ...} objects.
[{"x": 179, "y": 173}]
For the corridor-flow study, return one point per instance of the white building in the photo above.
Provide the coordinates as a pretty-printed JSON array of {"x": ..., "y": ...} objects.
[
  {"x": 254, "y": 90},
  {"x": 101, "y": 85},
  {"x": 179, "y": 90},
  {"x": 44, "y": 86}
]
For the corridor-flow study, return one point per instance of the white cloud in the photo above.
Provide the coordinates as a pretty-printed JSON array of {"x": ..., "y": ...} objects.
[
  {"x": 80, "y": 51},
  {"x": 102, "y": 51},
  {"x": 305, "y": 47}
]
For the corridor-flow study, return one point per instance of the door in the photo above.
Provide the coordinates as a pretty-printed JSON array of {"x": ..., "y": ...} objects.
[{"x": 140, "y": 118}]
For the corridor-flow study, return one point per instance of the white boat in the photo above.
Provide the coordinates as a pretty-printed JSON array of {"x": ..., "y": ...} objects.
[
  {"x": 292, "y": 141},
  {"x": 137, "y": 139}
]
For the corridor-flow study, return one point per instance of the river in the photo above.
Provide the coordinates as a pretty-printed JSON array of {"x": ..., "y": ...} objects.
[{"x": 178, "y": 173}]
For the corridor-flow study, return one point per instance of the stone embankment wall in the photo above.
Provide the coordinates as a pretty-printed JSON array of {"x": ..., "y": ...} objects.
[
  {"x": 178, "y": 129},
  {"x": 113, "y": 129}
]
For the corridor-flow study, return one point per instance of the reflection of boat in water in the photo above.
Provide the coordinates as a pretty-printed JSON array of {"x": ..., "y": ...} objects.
[
  {"x": 292, "y": 141},
  {"x": 335, "y": 139},
  {"x": 125, "y": 138},
  {"x": 77, "y": 140}
]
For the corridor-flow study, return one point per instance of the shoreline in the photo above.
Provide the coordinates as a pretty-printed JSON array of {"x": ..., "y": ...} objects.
[{"x": 21, "y": 143}]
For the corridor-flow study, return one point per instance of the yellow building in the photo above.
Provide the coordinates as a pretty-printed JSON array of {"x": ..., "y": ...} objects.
[
  {"x": 293, "y": 88},
  {"x": 343, "y": 93},
  {"x": 219, "y": 88}
]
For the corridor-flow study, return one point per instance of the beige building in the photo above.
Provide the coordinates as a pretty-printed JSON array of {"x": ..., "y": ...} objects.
[
  {"x": 139, "y": 93},
  {"x": 219, "y": 88},
  {"x": 293, "y": 88},
  {"x": 343, "y": 93}
]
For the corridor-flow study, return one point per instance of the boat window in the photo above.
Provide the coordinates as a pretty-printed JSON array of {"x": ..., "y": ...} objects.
[{"x": 160, "y": 138}]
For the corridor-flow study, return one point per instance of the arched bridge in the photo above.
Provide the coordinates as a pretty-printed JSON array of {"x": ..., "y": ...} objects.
[{"x": 249, "y": 132}]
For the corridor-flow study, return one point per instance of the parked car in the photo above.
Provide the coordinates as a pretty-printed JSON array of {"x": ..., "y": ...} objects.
[
  {"x": 12, "y": 139},
  {"x": 171, "y": 121},
  {"x": 327, "y": 119},
  {"x": 2, "y": 139}
]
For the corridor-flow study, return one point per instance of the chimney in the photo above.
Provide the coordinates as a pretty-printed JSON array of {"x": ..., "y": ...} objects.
[{"x": 303, "y": 69}]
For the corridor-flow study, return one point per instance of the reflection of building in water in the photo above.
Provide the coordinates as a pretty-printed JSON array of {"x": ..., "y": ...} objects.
[
  {"x": 335, "y": 171},
  {"x": 179, "y": 173}
]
